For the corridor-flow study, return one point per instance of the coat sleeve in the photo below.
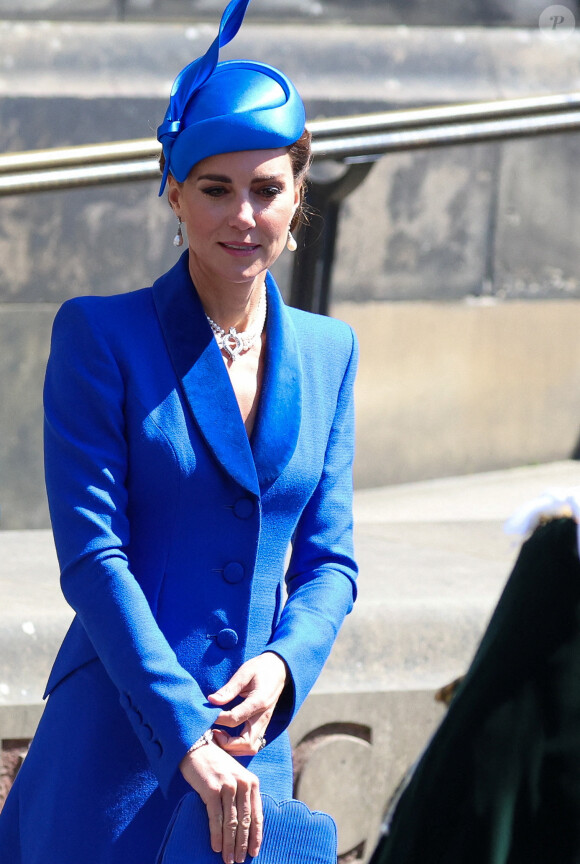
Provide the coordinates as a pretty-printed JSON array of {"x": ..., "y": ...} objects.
[
  {"x": 321, "y": 577},
  {"x": 86, "y": 462}
]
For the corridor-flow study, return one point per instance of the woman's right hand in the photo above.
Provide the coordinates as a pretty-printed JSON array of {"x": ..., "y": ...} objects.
[{"x": 231, "y": 794}]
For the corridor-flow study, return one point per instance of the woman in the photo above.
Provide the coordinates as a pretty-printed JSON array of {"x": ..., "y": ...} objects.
[{"x": 194, "y": 430}]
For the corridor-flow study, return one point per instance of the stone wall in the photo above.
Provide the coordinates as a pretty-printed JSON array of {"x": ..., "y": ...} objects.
[
  {"x": 455, "y": 388},
  {"x": 448, "y": 384}
]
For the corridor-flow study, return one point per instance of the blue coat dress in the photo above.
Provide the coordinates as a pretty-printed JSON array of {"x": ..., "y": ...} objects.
[{"x": 173, "y": 531}]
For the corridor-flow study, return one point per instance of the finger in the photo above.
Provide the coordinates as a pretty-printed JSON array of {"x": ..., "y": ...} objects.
[
  {"x": 239, "y": 746},
  {"x": 231, "y": 688},
  {"x": 255, "y": 838},
  {"x": 223, "y": 696},
  {"x": 244, "y": 745},
  {"x": 244, "y": 806},
  {"x": 221, "y": 738},
  {"x": 230, "y": 823},
  {"x": 216, "y": 818},
  {"x": 255, "y": 731},
  {"x": 253, "y": 706}
]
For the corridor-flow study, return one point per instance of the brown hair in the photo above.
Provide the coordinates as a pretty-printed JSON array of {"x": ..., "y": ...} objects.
[{"x": 300, "y": 156}]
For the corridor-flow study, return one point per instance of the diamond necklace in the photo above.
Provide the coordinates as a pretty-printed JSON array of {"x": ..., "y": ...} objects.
[{"x": 234, "y": 343}]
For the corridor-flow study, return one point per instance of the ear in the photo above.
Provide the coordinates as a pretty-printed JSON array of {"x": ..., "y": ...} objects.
[
  {"x": 174, "y": 195},
  {"x": 298, "y": 189},
  {"x": 297, "y": 197}
]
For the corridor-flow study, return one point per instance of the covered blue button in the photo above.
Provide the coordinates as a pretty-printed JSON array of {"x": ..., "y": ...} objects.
[
  {"x": 227, "y": 638},
  {"x": 244, "y": 508},
  {"x": 233, "y": 572}
]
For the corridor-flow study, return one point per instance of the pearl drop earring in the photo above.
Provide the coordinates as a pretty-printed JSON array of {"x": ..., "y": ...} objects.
[
  {"x": 291, "y": 243},
  {"x": 178, "y": 239}
]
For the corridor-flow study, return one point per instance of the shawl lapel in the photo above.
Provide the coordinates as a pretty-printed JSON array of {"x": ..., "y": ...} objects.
[
  {"x": 279, "y": 417},
  {"x": 199, "y": 366}
]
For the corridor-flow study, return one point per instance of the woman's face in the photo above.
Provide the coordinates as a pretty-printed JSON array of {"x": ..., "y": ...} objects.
[{"x": 237, "y": 208}]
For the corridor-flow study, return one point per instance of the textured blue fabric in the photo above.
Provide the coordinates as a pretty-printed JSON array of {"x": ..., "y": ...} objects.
[
  {"x": 293, "y": 834},
  {"x": 227, "y": 107},
  {"x": 154, "y": 490}
]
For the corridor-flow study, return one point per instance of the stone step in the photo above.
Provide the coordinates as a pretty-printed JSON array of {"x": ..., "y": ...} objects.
[{"x": 520, "y": 13}]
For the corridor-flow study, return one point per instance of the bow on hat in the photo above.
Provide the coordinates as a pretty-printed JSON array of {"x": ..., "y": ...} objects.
[{"x": 193, "y": 77}]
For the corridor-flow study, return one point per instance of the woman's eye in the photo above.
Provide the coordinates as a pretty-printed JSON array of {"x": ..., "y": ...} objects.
[
  {"x": 270, "y": 191},
  {"x": 214, "y": 191}
]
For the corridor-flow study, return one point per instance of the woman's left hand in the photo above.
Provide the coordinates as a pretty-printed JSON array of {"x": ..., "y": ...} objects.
[{"x": 259, "y": 682}]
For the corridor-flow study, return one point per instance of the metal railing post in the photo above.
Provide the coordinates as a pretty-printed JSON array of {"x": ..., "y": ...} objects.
[{"x": 312, "y": 271}]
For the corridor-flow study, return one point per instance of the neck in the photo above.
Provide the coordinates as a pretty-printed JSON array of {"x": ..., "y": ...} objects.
[{"x": 230, "y": 304}]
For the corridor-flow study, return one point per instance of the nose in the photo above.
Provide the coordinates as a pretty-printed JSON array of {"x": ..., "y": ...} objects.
[{"x": 242, "y": 214}]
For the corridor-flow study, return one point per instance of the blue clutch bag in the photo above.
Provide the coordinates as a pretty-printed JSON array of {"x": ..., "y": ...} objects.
[{"x": 293, "y": 834}]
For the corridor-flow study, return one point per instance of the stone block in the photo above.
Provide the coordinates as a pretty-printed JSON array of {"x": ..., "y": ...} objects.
[
  {"x": 24, "y": 337},
  {"x": 430, "y": 216},
  {"x": 536, "y": 237},
  {"x": 350, "y": 753},
  {"x": 453, "y": 388},
  {"x": 80, "y": 242},
  {"x": 35, "y": 618}
]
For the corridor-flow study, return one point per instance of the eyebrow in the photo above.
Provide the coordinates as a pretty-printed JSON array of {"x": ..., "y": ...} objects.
[
  {"x": 216, "y": 178},
  {"x": 222, "y": 178}
]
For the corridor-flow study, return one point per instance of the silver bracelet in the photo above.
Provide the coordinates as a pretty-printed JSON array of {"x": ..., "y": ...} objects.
[{"x": 206, "y": 738}]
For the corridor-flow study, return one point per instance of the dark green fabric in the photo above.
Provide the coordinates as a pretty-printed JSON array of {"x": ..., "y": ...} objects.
[{"x": 500, "y": 781}]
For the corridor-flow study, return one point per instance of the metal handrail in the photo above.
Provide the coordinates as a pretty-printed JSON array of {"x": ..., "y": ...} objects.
[
  {"x": 34, "y": 160},
  {"x": 352, "y": 139},
  {"x": 438, "y": 114}
]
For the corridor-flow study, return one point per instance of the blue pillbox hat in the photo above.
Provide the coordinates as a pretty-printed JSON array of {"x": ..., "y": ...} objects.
[{"x": 227, "y": 107}]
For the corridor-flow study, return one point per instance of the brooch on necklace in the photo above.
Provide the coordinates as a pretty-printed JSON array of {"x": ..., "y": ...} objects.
[{"x": 234, "y": 343}]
